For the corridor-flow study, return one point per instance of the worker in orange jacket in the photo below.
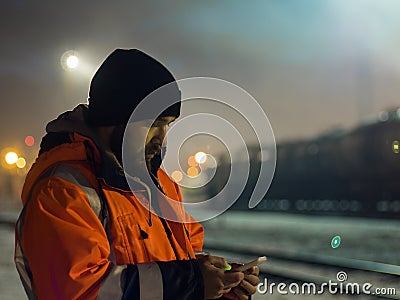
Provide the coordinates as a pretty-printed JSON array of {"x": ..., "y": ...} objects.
[{"x": 90, "y": 230}]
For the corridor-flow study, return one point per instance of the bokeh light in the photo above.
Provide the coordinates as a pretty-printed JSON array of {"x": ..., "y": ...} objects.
[
  {"x": 70, "y": 60},
  {"x": 192, "y": 172},
  {"x": 11, "y": 157},
  {"x": 177, "y": 175},
  {"x": 396, "y": 147},
  {"x": 200, "y": 157},
  {"x": 335, "y": 242},
  {"x": 21, "y": 162},
  {"x": 192, "y": 162},
  {"x": 29, "y": 141}
]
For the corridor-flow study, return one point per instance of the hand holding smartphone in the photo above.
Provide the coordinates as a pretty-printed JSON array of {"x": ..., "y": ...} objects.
[{"x": 250, "y": 264}]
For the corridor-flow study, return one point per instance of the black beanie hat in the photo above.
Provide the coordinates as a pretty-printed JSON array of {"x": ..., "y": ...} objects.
[{"x": 123, "y": 80}]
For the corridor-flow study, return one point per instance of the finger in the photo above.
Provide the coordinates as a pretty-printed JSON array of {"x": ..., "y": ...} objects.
[
  {"x": 248, "y": 288},
  {"x": 227, "y": 295},
  {"x": 240, "y": 294},
  {"x": 232, "y": 278},
  {"x": 253, "y": 270},
  {"x": 230, "y": 295},
  {"x": 217, "y": 261},
  {"x": 252, "y": 279},
  {"x": 226, "y": 290}
]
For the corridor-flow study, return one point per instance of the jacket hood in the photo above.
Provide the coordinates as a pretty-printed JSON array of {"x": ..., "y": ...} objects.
[
  {"x": 72, "y": 121},
  {"x": 68, "y": 138}
]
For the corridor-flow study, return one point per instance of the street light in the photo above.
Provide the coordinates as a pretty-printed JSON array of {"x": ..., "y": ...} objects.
[
  {"x": 11, "y": 157},
  {"x": 70, "y": 60},
  {"x": 200, "y": 157}
]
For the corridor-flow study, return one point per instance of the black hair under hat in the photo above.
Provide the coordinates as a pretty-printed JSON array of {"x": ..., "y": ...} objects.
[{"x": 123, "y": 80}]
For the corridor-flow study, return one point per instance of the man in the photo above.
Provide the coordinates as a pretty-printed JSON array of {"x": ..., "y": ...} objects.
[{"x": 84, "y": 232}]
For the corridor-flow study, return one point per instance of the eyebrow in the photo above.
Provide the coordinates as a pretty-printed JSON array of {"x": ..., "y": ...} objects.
[{"x": 164, "y": 119}]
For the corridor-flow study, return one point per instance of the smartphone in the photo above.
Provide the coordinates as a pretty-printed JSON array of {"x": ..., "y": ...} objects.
[{"x": 250, "y": 264}]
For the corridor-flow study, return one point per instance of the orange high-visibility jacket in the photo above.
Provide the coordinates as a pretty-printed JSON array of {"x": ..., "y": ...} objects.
[{"x": 68, "y": 248}]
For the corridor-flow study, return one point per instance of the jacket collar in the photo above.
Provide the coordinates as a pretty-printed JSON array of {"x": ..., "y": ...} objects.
[{"x": 105, "y": 164}]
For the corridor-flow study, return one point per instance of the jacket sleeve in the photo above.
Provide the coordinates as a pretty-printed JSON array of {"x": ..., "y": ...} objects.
[
  {"x": 164, "y": 280},
  {"x": 64, "y": 243},
  {"x": 68, "y": 254}
]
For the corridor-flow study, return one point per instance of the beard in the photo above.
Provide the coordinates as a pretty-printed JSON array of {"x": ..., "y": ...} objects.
[
  {"x": 154, "y": 149},
  {"x": 134, "y": 164}
]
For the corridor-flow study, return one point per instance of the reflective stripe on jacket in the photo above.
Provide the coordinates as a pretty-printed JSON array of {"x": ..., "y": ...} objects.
[{"x": 64, "y": 251}]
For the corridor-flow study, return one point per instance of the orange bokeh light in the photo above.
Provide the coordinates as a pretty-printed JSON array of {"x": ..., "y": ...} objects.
[
  {"x": 192, "y": 162},
  {"x": 29, "y": 141},
  {"x": 192, "y": 172},
  {"x": 177, "y": 175}
]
